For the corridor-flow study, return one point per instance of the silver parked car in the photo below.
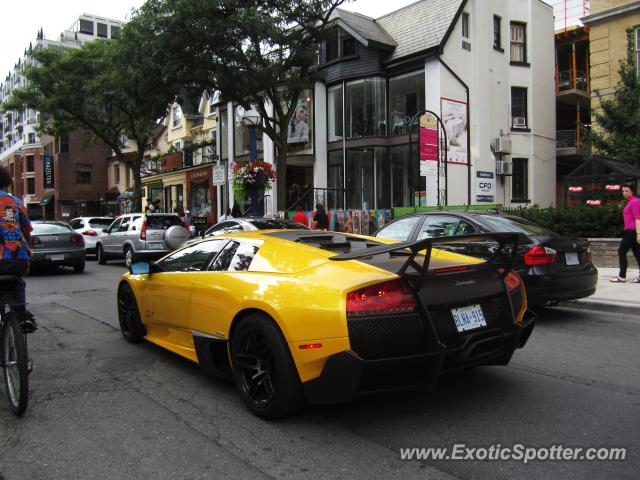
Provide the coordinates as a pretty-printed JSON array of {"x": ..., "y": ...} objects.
[
  {"x": 56, "y": 244},
  {"x": 90, "y": 228},
  {"x": 140, "y": 236},
  {"x": 247, "y": 224}
]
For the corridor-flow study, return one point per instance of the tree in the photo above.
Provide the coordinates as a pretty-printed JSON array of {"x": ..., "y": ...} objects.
[
  {"x": 618, "y": 119},
  {"x": 106, "y": 88},
  {"x": 259, "y": 53}
]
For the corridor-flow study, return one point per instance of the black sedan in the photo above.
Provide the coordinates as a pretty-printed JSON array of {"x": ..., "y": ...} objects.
[
  {"x": 553, "y": 267},
  {"x": 56, "y": 244}
]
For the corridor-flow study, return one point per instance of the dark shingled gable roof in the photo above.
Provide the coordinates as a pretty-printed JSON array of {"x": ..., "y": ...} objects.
[{"x": 366, "y": 27}]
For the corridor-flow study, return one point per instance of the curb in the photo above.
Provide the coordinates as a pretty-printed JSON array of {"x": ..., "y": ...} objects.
[{"x": 602, "y": 306}]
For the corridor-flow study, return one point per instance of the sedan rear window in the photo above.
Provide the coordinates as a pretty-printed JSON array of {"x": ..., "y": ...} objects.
[
  {"x": 46, "y": 228},
  {"x": 513, "y": 224},
  {"x": 100, "y": 222},
  {"x": 162, "y": 222}
]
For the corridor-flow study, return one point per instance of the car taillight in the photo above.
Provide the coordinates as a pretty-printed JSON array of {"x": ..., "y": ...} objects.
[
  {"x": 75, "y": 238},
  {"x": 186, "y": 227},
  {"x": 91, "y": 233},
  {"x": 143, "y": 230},
  {"x": 36, "y": 242},
  {"x": 589, "y": 255},
  {"x": 381, "y": 299},
  {"x": 540, "y": 255}
]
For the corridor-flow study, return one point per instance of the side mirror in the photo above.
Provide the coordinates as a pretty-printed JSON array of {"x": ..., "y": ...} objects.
[{"x": 140, "y": 268}]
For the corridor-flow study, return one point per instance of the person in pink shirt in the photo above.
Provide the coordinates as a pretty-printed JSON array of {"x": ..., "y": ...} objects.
[{"x": 631, "y": 237}]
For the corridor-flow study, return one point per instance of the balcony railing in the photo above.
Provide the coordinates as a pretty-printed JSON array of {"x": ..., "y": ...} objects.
[
  {"x": 567, "y": 139},
  {"x": 572, "y": 80}
]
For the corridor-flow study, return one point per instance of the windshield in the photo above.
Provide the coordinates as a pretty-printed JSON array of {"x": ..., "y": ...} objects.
[
  {"x": 513, "y": 224},
  {"x": 45, "y": 228},
  {"x": 100, "y": 222},
  {"x": 275, "y": 223}
]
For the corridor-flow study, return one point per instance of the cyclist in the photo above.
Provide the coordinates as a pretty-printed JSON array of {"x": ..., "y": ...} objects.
[{"x": 15, "y": 238}]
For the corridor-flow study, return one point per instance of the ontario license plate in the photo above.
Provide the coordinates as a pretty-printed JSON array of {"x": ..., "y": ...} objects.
[
  {"x": 56, "y": 258},
  {"x": 468, "y": 318},
  {"x": 571, "y": 258}
]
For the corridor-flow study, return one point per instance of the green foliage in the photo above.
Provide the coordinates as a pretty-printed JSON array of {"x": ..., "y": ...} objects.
[
  {"x": 580, "y": 221},
  {"x": 619, "y": 119},
  {"x": 252, "y": 51}
]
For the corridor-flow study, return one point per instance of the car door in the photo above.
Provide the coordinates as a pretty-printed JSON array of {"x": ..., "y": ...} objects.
[
  {"x": 215, "y": 294},
  {"x": 166, "y": 294},
  {"x": 108, "y": 239}
]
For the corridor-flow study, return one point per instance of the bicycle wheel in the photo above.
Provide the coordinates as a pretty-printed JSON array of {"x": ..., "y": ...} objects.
[{"x": 14, "y": 358}]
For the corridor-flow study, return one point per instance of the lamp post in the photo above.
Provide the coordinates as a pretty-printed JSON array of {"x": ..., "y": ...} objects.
[{"x": 251, "y": 119}]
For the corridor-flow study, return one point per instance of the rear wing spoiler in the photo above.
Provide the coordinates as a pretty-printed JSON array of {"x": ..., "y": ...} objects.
[{"x": 413, "y": 249}]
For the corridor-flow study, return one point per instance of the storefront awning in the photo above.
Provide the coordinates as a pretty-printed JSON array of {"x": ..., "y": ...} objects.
[{"x": 46, "y": 199}]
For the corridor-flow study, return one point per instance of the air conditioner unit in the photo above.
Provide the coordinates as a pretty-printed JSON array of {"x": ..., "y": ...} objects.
[
  {"x": 519, "y": 122},
  {"x": 502, "y": 145},
  {"x": 503, "y": 167}
]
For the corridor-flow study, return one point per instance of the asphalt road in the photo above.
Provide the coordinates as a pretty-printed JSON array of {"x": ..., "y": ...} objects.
[{"x": 102, "y": 408}]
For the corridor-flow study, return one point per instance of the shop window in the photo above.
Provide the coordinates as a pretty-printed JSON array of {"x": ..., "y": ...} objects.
[
  {"x": 31, "y": 186},
  {"x": 520, "y": 180},
  {"x": 406, "y": 98},
  {"x": 200, "y": 199},
  {"x": 366, "y": 108},
  {"x": 407, "y": 186},
  {"x": 334, "y": 113},
  {"x": 336, "y": 177}
]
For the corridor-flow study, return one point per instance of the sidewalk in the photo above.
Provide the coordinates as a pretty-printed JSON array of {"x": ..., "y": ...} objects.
[{"x": 612, "y": 297}]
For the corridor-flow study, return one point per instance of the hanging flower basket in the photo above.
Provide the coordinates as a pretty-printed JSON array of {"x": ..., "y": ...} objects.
[{"x": 251, "y": 175}]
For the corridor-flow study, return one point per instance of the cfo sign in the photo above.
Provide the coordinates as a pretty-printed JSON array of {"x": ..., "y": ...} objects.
[{"x": 47, "y": 168}]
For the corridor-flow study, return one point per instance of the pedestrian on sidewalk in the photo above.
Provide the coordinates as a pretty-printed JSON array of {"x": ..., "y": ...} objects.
[
  {"x": 300, "y": 216},
  {"x": 631, "y": 237}
]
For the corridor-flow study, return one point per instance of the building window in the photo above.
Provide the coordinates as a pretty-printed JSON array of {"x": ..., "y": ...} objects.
[
  {"x": 497, "y": 36},
  {"x": 406, "y": 98},
  {"x": 211, "y": 152},
  {"x": 116, "y": 174},
  {"x": 63, "y": 144},
  {"x": 465, "y": 25},
  {"x": 86, "y": 26},
  {"x": 334, "y": 113},
  {"x": 176, "y": 116},
  {"x": 336, "y": 177},
  {"x": 520, "y": 180},
  {"x": 518, "y": 42},
  {"x": 31, "y": 186},
  {"x": 212, "y": 100},
  {"x": 32, "y": 138},
  {"x": 366, "y": 108},
  {"x": 115, "y": 32},
  {"x": 348, "y": 46},
  {"x": 83, "y": 173},
  {"x": 103, "y": 30},
  {"x": 30, "y": 163},
  {"x": 407, "y": 186},
  {"x": 519, "y": 107},
  {"x": 331, "y": 45}
]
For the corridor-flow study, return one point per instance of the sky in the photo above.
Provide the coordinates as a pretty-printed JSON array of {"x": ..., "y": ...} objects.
[{"x": 22, "y": 19}]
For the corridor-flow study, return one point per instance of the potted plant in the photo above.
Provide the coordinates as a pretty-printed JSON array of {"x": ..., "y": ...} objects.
[{"x": 251, "y": 175}]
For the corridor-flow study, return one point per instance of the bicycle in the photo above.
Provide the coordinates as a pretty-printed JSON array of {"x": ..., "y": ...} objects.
[{"x": 14, "y": 356}]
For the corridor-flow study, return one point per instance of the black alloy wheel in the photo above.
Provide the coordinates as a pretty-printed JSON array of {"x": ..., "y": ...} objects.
[
  {"x": 263, "y": 369},
  {"x": 129, "y": 316},
  {"x": 101, "y": 257}
]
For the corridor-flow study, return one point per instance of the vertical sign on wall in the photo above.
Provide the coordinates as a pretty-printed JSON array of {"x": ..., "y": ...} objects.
[
  {"x": 485, "y": 187},
  {"x": 454, "y": 117},
  {"x": 428, "y": 141},
  {"x": 47, "y": 168}
]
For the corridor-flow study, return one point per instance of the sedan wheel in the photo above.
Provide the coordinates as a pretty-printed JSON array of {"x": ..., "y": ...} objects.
[
  {"x": 129, "y": 257},
  {"x": 102, "y": 258}
]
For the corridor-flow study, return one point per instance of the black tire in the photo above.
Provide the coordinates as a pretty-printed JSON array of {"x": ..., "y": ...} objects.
[
  {"x": 16, "y": 364},
  {"x": 78, "y": 267},
  {"x": 100, "y": 255},
  {"x": 263, "y": 369},
  {"x": 129, "y": 316},
  {"x": 129, "y": 256}
]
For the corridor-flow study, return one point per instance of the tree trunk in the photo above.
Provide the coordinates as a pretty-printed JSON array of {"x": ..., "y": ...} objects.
[
  {"x": 281, "y": 169},
  {"x": 137, "y": 181}
]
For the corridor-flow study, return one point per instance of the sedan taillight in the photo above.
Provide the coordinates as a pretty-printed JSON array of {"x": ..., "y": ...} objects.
[
  {"x": 540, "y": 255},
  {"x": 381, "y": 299},
  {"x": 36, "y": 242},
  {"x": 91, "y": 233},
  {"x": 75, "y": 238}
]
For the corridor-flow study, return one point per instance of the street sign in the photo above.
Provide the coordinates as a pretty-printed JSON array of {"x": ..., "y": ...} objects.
[{"x": 218, "y": 175}]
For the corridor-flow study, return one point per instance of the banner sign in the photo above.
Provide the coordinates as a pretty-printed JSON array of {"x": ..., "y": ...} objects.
[
  {"x": 454, "y": 117},
  {"x": 47, "y": 168}
]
